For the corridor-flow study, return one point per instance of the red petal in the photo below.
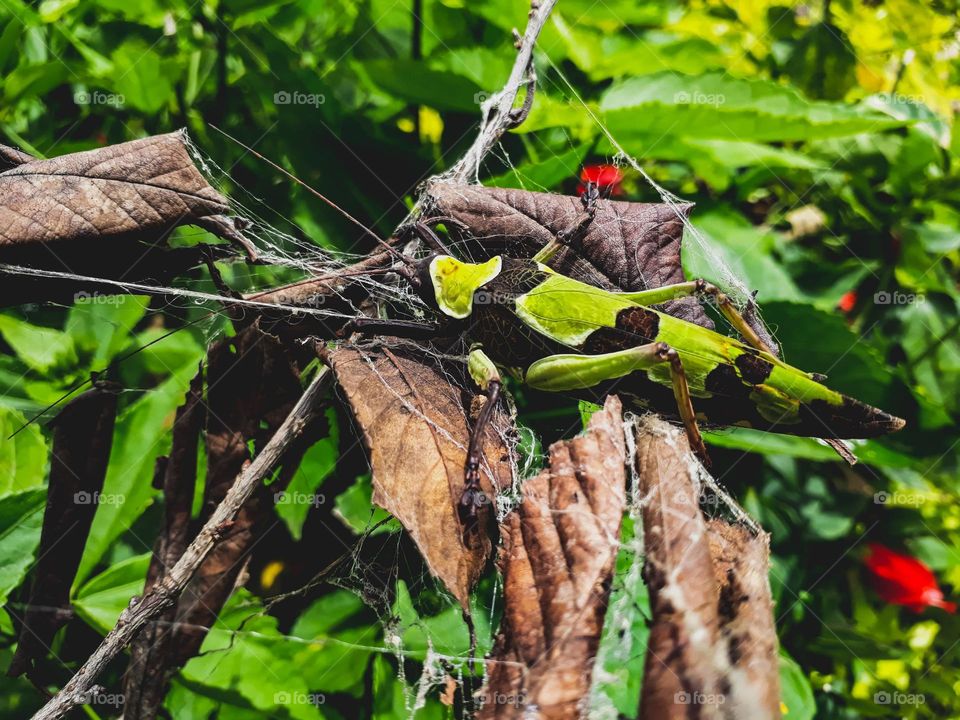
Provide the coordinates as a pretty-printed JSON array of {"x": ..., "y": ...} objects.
[
  {"x": 602, "y": 175},
  {"x": 848, "y": 301}
]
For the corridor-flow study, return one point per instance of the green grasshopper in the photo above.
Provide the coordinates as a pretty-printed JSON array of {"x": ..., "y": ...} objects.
[{"x": 558, "y": 334}]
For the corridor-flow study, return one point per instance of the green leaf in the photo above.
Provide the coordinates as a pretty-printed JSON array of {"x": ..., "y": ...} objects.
[
  {"x": 35, "y": 80},
  {"x": 618, "y": 668},
  {"x": 301, "y": 493},
  {"x": 142, "y": 433},
  {"x": 100, "y": 600},
  {"x": 543, "y": 174},
  {"x": 796, "y": 695},
  {"x": 21, "y": 518},
  {"x": 715, "y": 105},
  {"x": 244, "y": 655},
  {"x": 746, "y": 250},
  {"x": 417, "y": 83},
  {"x": 40, "y": 348},
  {"x": 143, "y": 80},
  {"x": 23, "y": 458},
  {"x": 101, "y": 324},
  {"x": 355, "y": 507}
]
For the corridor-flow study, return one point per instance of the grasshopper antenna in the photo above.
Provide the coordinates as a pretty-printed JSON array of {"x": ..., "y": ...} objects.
[{"x": 380, "y": 241}]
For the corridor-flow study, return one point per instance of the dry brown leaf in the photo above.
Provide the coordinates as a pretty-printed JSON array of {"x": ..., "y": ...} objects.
[
  {"x": 558, "y": 554},
  {"x": 414, "y": 418},
  {"x": 741, "y": 563},
  {"x": 82, "y": 439},
  {"x": 151, "y": 654},
  {"x": 628, "y": 246},
  {"x": 99, "y": 213},
  {"x": 712, "y": 650}
]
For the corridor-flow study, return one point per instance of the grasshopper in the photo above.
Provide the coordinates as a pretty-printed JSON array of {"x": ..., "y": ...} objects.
[{"x": 558, "y": 334}]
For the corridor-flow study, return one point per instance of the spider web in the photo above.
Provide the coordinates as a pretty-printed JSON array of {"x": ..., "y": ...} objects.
[{"x": 295, "y": 258}]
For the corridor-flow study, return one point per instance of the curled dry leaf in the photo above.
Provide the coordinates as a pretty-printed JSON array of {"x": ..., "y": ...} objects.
[
  {"x": 712, "y": 651},
  {"x": 101, "y": 212},
  {"x": 559, "y": 549},
  {"x": 414, "y": 416},
  {"x": 82, "y": 439}
]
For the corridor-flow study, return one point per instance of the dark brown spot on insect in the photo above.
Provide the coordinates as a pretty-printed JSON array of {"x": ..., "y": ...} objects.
[
  {"x": 642, "y": 323},
  {"x": 635, "y": 326},
  {"x": 753, "y": 368},
  {"x": 723, "y": 380}
]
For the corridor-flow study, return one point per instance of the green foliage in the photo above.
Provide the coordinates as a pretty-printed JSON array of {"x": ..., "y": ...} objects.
[{"x": 818, "y": 143}]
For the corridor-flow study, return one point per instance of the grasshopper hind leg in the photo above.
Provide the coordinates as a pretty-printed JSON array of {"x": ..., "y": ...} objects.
[
  {"x": 562, "y": 373},
  {"x": 473, "y": 499}
]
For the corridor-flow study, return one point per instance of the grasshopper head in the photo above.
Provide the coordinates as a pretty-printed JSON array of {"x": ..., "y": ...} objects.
[{"x": 448, "y": 285}]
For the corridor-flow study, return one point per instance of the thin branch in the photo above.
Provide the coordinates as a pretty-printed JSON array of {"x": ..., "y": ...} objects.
[
  {"x": 499, "y": 113},
  {"x": 141, "y": 610}
]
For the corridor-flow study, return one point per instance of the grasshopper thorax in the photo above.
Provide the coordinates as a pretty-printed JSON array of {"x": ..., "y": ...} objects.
[{"x": 448, "y": 284}]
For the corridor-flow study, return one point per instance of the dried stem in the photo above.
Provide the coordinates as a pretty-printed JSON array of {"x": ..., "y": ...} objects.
[{"x": 142, "y": 609}]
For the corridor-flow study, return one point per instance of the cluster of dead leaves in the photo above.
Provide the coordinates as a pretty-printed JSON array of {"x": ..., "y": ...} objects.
[{"x": 107, "y": 214}]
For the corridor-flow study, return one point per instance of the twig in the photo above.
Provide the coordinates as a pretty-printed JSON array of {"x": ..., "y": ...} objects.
[
  {"x": 141, "y": 610},
  {"x": 499, "y": 113}
]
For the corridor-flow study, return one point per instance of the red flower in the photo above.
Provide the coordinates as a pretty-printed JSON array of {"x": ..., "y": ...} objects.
[
  {"x": 848, "y": 301},
  {"x": 904, "y": 580},
  {"x": 603, "y": 176}
]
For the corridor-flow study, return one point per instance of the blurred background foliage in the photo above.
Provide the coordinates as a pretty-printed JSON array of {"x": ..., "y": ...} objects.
[{"x": 818, "y": 143}]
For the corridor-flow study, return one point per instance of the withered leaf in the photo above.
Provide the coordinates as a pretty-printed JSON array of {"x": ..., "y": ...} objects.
[
  {"x": 558, "y": 555},
  {"x": 627, "y": 246},
  {"x": 82, "y": 438},
  {"x": 102, "y": 213},
  {"x": 414, "y": 416},
  {"x": 252, "y": 385},
  {"x": 712, "y": 630},
  {"x": 152, "y": 652},
  {"x": 741, "y": 563}
]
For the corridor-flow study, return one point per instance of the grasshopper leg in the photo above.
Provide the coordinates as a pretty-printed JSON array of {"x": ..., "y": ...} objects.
[
  {"x": 558, "y": 373},
  {"x": 485, "y": 374},
  {"x": 572, "y": 235},
  {"x": 681, "y": 393}
]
